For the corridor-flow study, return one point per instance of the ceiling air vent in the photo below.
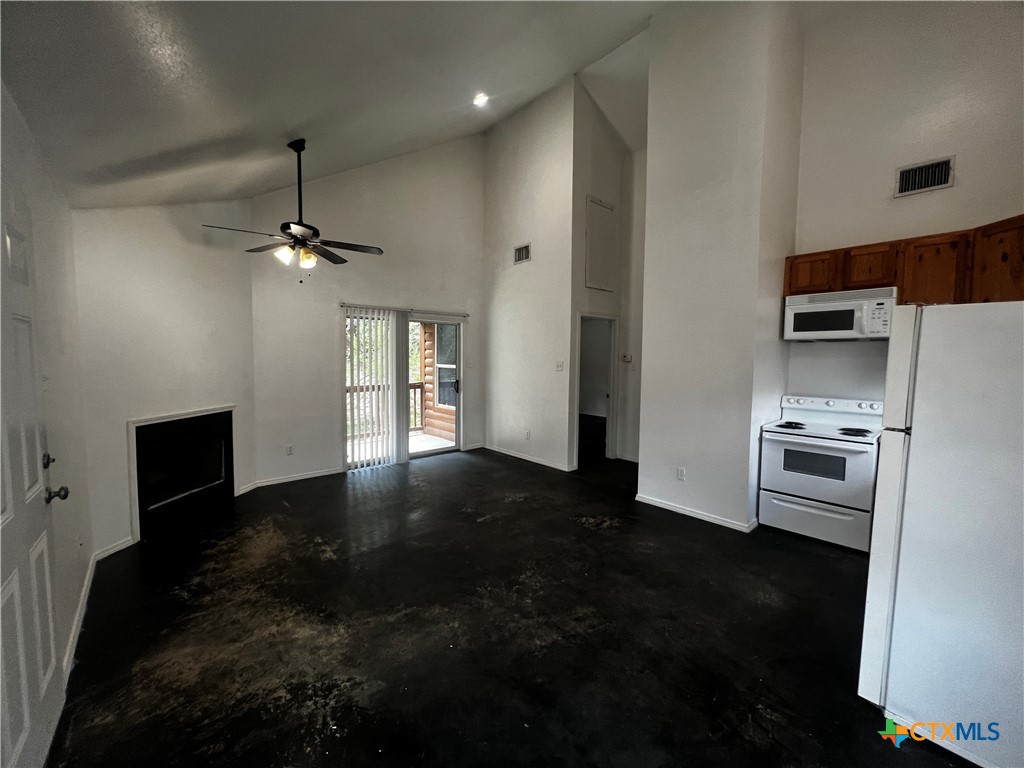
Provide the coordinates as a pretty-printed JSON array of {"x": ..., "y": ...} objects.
[
  {"x": 522, "y": 254},
  {"x": 924, "y": 177}
]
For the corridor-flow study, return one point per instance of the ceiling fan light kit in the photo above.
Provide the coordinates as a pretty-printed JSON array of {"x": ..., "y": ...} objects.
[{"x": 302, "y": 240}]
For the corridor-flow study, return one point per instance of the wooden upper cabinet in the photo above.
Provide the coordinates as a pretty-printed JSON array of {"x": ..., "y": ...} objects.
[
  {"x": 933, "y": 270},
  {"x": 997, "y": 273},
  {"x": 812, "y": 272},
  {"x": 869, "y": 266}
]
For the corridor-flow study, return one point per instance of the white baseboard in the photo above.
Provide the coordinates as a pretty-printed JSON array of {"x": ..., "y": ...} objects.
[
  {"x": 290, "y": 478},
  {"x": 472, "y": 447},
  {"x": 634, "y": 459},
  {"x": 524, "y": 457},
  {"x": 76, "y": 624},
  {"x": 115, "y": 547},
  {"x": 83, "y": 598},
  {"x": 745, "y": 527}
]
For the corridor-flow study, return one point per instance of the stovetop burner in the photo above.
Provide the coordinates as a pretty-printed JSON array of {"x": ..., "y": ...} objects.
[
  {"x": 854, "y": 432},
  {"x": 791, "y": 425}
]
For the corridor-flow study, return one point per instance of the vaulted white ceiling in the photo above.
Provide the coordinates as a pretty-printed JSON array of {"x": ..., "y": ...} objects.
[{"x": 145, "y": 103}]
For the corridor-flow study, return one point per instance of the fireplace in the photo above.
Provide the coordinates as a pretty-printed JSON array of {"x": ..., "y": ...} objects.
[{"x": 185, "y": 473}]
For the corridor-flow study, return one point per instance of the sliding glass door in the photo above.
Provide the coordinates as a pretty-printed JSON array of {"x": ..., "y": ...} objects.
[
  {"x": 433, "y": 387},
  {"x": 371, "y": 414},
  {"x": 386, "y": 422}
]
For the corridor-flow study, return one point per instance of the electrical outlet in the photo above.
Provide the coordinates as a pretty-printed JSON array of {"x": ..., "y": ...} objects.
[
  {"x": 527, "y": 434},
  {"x": 681, "y": 473},
  {"x": 289, "y": 449},
  {"x": 560, "y": 365}
]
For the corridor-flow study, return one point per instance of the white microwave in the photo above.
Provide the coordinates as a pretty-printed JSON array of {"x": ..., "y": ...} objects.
[{"x": 839, "y": 315}]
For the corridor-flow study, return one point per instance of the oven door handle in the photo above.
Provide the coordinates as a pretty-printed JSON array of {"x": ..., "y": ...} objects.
[
  {"x": 831, "y": 445},
  {"x": 813, "y": 510}
]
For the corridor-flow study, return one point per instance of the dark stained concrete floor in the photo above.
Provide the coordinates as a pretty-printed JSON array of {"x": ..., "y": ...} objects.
[{"x": 474, "y": 610}]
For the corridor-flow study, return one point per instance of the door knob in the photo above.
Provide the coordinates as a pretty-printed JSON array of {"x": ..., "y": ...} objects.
[
  {"x": 48, "y": 460},
  {"x": 61, "y": 493}
]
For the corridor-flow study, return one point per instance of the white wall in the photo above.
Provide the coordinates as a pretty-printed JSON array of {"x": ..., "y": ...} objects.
[
  {"x": 885, "y": 85},
  {"x": 595, "y": 366},
  {"x": 783, "y": 79},
  {"x": 29, "y": 189},
  {"x": 631, "y": 325},
  {"x": 425, "y": 210},
  {"x": 710, "y": 76},
  {"x": 853, "y": 370},
  {"x": 528, "y": 199},
  {"x": 603, "y": 167},
  {"x": 166, "y": 327},
  {"x": 889, "y": 84}
]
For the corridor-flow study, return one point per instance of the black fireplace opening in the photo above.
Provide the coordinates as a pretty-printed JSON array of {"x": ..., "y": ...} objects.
[{"x": 185, "y": 470}]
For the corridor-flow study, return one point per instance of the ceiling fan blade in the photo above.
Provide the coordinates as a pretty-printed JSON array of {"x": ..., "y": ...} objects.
[
  {"x": 319, "y": 250},
  {"x": 248, "y": 231},
  {"x": 264, "y": 248},
  {"x": 352, "y": 247}
]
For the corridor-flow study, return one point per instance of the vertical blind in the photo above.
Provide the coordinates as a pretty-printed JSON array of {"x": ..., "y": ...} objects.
[{"x": 369, "y": 386}]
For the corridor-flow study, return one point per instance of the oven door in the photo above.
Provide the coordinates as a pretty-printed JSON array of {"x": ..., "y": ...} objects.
[{"x": 833, "y": 471}]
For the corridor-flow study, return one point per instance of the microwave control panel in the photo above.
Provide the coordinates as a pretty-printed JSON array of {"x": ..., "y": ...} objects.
[{"x": 876, "y": 318}]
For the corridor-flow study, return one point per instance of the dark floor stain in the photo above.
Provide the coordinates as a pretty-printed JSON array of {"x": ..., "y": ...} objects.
[{"x": 436, "y": 614}]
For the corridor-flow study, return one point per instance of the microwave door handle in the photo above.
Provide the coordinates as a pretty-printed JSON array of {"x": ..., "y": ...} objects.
[{"x": 832, "y": 445}]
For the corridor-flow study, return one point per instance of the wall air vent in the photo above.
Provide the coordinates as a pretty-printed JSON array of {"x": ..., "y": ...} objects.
[
  {"x": 522, "y": 254},
  {"x": 924, "y": 177}
]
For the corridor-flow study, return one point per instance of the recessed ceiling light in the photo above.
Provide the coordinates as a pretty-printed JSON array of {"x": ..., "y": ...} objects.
[{"x": 480, "y": 99}]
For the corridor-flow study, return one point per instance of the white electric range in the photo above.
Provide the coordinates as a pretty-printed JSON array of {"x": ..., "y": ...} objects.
[{"x": 818, "y": 465}]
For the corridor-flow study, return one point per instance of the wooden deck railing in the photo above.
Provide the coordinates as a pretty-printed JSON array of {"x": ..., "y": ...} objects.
[{"x": 415, "y": 403}]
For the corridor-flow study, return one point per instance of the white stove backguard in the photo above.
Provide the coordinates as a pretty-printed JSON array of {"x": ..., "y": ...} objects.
[{"x": 833, "y": 410}]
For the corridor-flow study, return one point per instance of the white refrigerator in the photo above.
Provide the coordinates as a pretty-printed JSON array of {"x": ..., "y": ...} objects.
[{"x": 944, "y": 618}]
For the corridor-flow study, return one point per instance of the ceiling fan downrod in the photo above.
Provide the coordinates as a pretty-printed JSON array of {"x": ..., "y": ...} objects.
[{"x": 297, "y": 145}]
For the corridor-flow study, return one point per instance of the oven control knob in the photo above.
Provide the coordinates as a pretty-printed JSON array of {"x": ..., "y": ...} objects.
[
  {"x": 862, "y": 406},
  {"x": 830, "y": 402},
  {"x": 790, "y": 400},
  {"x": 874, "y": 406},
  {"x": 800, "y": 401}
]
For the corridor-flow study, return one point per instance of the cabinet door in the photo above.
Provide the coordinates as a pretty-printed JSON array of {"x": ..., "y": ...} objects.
[
  {"x": 997, "y": 272},
  {"x": 812, "y": 272},
  {"x": 869, "y": 266},
  {"x": 933, "y": 270}
]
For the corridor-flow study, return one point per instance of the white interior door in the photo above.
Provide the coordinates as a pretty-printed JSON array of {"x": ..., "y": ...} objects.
[{"x": 32, "y": 694}]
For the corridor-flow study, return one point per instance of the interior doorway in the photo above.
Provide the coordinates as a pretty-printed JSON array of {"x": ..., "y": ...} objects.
[
  {"x": 595, "y": 435},
  {"x": 434, "y": 386}
]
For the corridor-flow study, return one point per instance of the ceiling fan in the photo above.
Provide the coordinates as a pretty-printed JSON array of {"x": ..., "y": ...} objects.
[{"x": 301, "y": 239}]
